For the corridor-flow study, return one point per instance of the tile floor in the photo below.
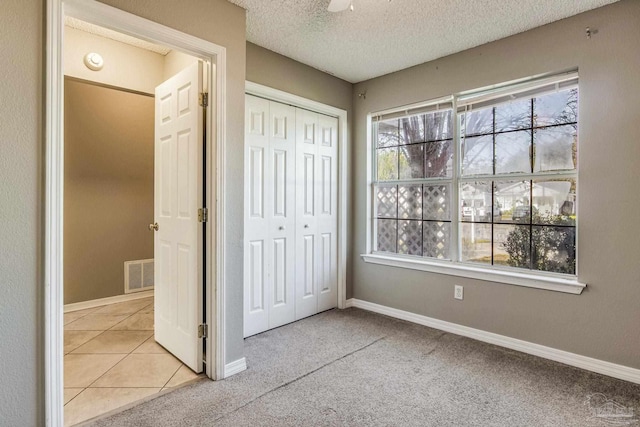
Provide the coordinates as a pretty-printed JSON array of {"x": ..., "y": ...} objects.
[{"x": 111, "y": 359}]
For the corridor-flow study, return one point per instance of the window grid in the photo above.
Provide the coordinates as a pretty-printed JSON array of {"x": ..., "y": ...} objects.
[
  {"x": 433, "y": 133},
  {"x": 457, "y": 179}
]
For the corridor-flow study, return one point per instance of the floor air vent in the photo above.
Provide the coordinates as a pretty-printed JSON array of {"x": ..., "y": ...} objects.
[{"x": 138, "y": 275}]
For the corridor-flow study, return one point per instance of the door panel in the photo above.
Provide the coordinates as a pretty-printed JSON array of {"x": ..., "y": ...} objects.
[
  {"x": 327, "y": 217},
  {"x": 282, "y": 144},
  {"x": 256, "y": 266},
  {"x": 280, "y": 264},
  {"x": 178, "y": 172},
  {"x": 306, "y": 194},
  {"x": 309, "y": 184},
  {"x": 256, "y": 276},
  {"x": 324, "y": 266},
  {"x": 269, "y": 161}
]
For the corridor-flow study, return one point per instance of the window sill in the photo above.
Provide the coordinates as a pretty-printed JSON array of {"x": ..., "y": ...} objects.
[{"x": 539, "y": 281}]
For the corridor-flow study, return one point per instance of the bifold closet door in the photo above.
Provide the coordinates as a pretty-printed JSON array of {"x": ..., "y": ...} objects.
[
  {"x": 316, "y": 213},
  {"x": 269, "y": 215},
  {"x": 327, "y": 213}
]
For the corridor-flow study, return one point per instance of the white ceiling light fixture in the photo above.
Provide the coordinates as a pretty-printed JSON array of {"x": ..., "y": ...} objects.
[{"x": 93, "y": 61}]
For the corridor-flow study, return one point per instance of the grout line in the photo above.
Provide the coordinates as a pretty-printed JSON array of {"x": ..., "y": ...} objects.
[
  {"x": 83, "y": 389},
  {"x": 108, "y": 370},
  {"x": 126, "y": 318},
  {"x": 75, "y": 320},
  {"x": 299, "y": 378},
  {"x": 140, "y": 345},
  {"x": 75, "y": 348},
  {"x": 174, "y": 374}
]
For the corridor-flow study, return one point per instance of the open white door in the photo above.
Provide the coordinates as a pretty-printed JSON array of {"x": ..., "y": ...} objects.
[{"x": 178, "y": 195}]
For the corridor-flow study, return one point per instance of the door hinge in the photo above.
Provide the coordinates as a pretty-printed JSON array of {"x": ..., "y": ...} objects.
[
  {"x": 204, "y": 99},
  {"x": 203, "y": 330},
  {"x": 203, "y": 214}
]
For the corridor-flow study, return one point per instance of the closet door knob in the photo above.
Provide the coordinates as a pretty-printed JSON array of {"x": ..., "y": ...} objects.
[
  {"x": 153, "y": 227},
  {"x": 281, "y": 227},
  {"x": 306, "y": 226}
]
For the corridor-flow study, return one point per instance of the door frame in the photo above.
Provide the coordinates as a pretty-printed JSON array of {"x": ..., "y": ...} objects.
[
  {"x": 116, "y": 19},
  {"x": 272, "y": 94}
]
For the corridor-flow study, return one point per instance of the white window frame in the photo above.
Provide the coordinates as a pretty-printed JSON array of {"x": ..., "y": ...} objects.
[{"x": 454, "y": 267}]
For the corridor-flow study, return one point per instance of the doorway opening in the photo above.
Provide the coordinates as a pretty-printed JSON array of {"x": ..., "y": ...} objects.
[
  {"x": 187, "y": 155},
  {"x": 115, "y": 351}
]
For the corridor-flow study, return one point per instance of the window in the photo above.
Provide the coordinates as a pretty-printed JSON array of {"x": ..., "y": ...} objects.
[
  {"x": 486, "y": 179},
  {"x": 415, "y": 171}
]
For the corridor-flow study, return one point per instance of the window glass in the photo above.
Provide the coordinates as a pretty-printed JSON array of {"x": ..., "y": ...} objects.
[{"x": 502, "y": 178}]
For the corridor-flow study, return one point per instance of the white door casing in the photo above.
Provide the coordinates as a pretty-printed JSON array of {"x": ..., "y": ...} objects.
[
  {"x": 270, "y": 215},
  {"x": 178, "y": 195}
]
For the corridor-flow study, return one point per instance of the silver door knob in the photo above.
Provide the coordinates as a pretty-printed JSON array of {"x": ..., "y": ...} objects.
[
  {"x": 153, "y": 227},
  {"x": 281, "y": 227},
  {"x": 306, "y": 226}
]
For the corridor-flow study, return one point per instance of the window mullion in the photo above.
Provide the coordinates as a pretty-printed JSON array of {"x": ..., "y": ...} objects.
[{"x": 454, "y": 250}]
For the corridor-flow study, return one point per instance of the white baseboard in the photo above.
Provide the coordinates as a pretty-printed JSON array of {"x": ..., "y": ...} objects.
[
  {"x": 104, "y": 301},
  {"x": 590, "y": 364},
  {"x": 235, "y": 367}
]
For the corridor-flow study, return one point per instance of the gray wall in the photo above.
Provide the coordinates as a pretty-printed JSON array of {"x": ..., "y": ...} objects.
[
  {"x": 279, "y": 72},
  {"x": 222, "y": 23},
  {"x": 21, "y": 204},
  {"x": 108, "y": 187},
  {"x": 603, "y": 321}
]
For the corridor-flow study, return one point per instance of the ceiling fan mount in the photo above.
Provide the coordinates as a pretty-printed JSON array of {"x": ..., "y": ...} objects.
[{"x": 341, "y": 5}]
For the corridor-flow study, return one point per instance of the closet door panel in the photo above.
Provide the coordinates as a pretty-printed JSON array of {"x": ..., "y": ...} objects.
[
  {"x": 307, "y": 139},
  {"x": 327, "y": 214},
  {"x": 258, "y": 206},
  {"x": 282, "y": 220}
]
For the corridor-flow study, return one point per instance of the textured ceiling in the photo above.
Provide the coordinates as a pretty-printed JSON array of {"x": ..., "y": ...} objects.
[
  {"x": 113, "y": 35},
  {"x": 380, "y": 37}
]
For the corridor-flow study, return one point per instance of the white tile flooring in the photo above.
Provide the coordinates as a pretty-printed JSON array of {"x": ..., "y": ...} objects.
[{"x": 112, "y": 360}]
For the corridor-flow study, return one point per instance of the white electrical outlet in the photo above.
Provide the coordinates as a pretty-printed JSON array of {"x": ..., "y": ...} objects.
[{"x": 458, "y": 292}]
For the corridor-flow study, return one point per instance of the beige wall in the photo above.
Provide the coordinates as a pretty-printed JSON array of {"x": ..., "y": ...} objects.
[
  {"x": 222, "y": 23},
  {"x": 176, "y": 61},
  {"x": 603, "y": 321},
  {"x": 108, "y": 187},
  {"x": 125, "y": 66},
  {"x": 21, "y": 204},
  {"x": 93, "y": 266}
]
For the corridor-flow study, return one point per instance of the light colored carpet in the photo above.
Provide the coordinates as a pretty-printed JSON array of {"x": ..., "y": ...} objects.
[{"x": 355, "y": 368}]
